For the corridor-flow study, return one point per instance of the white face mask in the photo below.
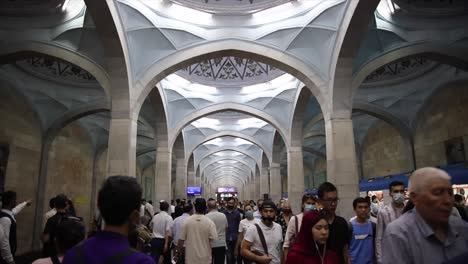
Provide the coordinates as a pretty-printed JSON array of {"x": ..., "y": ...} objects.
[{"x": 398, "y": 198}]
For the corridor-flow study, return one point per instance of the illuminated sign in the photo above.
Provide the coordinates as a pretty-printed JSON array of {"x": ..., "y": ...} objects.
[{"x": 227, "y": 190}]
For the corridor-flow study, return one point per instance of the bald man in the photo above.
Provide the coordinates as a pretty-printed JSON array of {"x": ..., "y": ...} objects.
[{"x": 428, "y": 233}]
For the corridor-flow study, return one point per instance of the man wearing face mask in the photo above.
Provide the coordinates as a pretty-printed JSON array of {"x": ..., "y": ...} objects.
[
  {"x": 388, "y": 214},
  {"x": 119, "y": 203},
  {"x": 262, "y": 241},
  {"x": 284, "y": 216},
  {"x": 233, "y": 219},
  {"x": 294, "y": 225}
]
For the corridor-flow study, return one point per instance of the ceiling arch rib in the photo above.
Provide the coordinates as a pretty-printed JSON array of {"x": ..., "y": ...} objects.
[
  {"x": 233, "y": 144},
  {"x": 237, "y": 167},
  {"x": 244, "y": 161},
  {"x": 228, "y": 174}
]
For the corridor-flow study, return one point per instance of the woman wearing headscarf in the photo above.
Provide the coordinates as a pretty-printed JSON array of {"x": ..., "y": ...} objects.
[{"x": 311, "y": 243}]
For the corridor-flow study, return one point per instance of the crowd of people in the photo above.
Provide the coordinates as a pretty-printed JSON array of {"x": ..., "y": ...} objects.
[{"x": 431, "y": 228}]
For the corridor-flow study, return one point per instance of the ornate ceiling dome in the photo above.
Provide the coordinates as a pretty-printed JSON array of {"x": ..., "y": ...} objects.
[
  {"x": 229, "y": 72},
  {"x": 230, "y": 6}
]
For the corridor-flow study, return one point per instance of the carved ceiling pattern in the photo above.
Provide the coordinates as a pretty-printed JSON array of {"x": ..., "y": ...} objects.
[
  {"x": 230, "y": 70},
  {"x": 56, "y": 69},
  {"x": 400, "y": 68}
]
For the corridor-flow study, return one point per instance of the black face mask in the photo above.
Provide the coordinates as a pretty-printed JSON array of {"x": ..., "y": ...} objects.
[
  {"x": 230, "y": 207},
  {"x": 268, "y": 219}
]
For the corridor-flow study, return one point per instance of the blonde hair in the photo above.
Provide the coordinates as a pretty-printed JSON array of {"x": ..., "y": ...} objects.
[{"x": 422, "y": 177}]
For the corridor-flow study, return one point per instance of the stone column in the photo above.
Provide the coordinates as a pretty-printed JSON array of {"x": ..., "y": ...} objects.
[
  {"x": 181, "y": 179},
  {"x": 342, "y": 163},
  {"x": 295, "y": 178},
  {"x": 275, "y": 180},
  {"x": 252, "y": 189},
  {"x": 121, "y": 157},
  {"x": 264, "y": 182},
  {"x": 191, "y": 178},
  {"x": 162, "y": 182},
  {"x": 257, "y": 188}
]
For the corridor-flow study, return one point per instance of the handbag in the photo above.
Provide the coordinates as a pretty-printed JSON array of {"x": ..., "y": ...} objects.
[{"x": 264, "y": 245}]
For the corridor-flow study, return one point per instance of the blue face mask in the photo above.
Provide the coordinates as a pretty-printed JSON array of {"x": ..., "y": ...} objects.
[
  {"x": 399, "y": 197},
  {"x": 248, "y": 214},
  {"x": 309, "y": 207}
]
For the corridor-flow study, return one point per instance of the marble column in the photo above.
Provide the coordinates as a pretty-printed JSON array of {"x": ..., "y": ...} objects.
[
  {"x": 181, "y": 179},
  {"x": 296, "y": 186},
  {"x": 162, "y": 183},
  {"x": 342, "y": 163},
  {"x": 264, "y": 182},
  {"x": 121, "y": 156},
  {"x": 275, "y": 181}
]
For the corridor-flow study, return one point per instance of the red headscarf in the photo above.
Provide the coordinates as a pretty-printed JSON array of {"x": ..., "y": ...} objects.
[{"x": 304, "y": 250}]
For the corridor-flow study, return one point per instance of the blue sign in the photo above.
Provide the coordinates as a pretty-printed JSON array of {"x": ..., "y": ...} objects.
[{"x": 193, "y": 190}]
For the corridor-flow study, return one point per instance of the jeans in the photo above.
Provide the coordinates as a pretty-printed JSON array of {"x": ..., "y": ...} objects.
[
  {"x": 231, "y": 246},
  {"x": 157, "y": 248},
  {"x": 218, "y": 254}
]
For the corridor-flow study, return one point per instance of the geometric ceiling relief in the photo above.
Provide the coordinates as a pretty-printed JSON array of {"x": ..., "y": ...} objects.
[
  {"x": 401, "y": 69},
  {"x": 228, "y": 123},
  {"x": 275, "y": 97},
  {"x": 230, "y": 6},
  {"x": 56, "y": 68},
  {"x": 230, "y": 71}
]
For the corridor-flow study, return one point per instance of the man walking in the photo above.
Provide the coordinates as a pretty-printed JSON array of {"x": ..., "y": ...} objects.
[
  {"x": 162, "y": 232},
  {"x": 361, "y": 250},
  {"x": 218, "y": 246},
  {"x": 264, "y": 238},
  {"x": 197, "y": 233},
  {"x": 233, "y": 220},
  {"x": 428, "y": 233},
  {"x": 339, "y": 233},
  {"x": 388, "y": 214}
]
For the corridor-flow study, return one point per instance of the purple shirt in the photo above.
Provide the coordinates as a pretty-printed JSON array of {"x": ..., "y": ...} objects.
[
  {"x": 104, "y": 245},
  {"x": 233, "y": 219}
]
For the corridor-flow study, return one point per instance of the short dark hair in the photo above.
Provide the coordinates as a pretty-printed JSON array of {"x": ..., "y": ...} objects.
[
  {"x": 118, "y": 197},
  {"x": 8, "y": 197},
  {"x": 360, "y": 200},
  {"x": 395, "y": 183},
  {"x": 200, "y": 205},
  {"x": 177, "y": 200},
  {"x": 211, "y": 199},
  {"x": 374, "y": 197},
  {"x": 70, "y": 231},
  {"x": 308, "y": 196},
  {"x": 458, "y": 198},
  {"x": 52, "y": 203},
  {"x": 163, "y": 206},
  {"x": 61, "y": 201},
  {"x": 325, "y": 188},
  {"x": 188, "y": 208}
]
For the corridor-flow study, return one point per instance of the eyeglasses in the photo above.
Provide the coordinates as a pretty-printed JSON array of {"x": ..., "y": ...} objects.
[{"x": 336, "y": 200}]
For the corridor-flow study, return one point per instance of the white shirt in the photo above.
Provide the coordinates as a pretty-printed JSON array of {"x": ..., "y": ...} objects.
[
  {"x": 177, "y": 227},
  {"x": 172, "y": 209},
  {"x": 5, "y": 248},
  {"x": 273, "y": 236},
  {"x": 162, "y": 225},
  {"x": 246, "y": 223},
  {"x": 221, "y": 224},
  {"x": 197, "y": 231},
  {"x": 371, "y": 218},
  {"x": 292, "y": 230}
]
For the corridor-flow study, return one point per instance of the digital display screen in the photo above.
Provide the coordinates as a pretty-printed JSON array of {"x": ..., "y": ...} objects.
[
  {"x": 193, "y": 190},
  {"x": 227, "y": 190}
]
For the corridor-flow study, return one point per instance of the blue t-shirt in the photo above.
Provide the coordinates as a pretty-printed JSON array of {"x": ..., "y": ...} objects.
[
  {"x": 103, "y": 245},
  {"x": 361, "y": 249}
]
